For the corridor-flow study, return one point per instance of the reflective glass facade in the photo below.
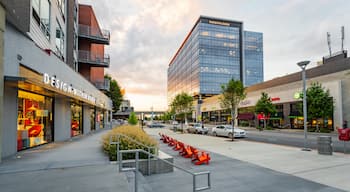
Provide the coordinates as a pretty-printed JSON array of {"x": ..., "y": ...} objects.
[
  {"x": 253, "y": 58},
  {"x": 210, "y": 56},
  {"x": 219, "y": 56}
]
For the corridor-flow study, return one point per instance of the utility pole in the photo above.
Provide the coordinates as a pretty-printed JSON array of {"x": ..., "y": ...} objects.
[{"x": 152, "y": 114}]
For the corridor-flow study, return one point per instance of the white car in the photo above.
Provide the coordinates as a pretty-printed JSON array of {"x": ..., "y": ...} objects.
[
  {"x": 226, "y": 131},
  {"x": 200, "y": 129}
]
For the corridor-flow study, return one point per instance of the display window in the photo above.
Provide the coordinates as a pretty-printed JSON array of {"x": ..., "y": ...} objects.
[
  {"x": 34, "y": 120},
  {"x": 92, "y": 118},
  {"x": 100, "y": 118},
  {"x": 76, "y": 122}
]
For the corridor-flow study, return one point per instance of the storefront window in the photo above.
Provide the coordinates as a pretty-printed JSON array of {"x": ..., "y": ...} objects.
[
  {"x": 34, "y": 121},
  {"x": 100, "y": 118},
  {"x": 76, "y": 123},
  {"x": 92, "y": 119}
]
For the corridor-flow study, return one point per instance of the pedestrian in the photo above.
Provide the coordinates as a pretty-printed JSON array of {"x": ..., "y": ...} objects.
[{"x": 345, "y": 124}]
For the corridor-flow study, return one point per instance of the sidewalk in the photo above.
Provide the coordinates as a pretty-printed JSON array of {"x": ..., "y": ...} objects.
[
  {"x": 74, "y": 166},
  {"x": 328, "y": 170}
]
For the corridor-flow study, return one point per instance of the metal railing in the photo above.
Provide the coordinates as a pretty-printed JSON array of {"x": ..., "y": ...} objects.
[
  {"x": 115, "y": 139},
  {"x": 136, "y": 168},
  {"x": 93, "y": 58},
  {"x": 94, "y": 32},
  {"x": 105, "y": 85}
]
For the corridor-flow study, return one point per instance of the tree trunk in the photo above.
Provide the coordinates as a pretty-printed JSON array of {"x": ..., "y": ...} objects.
[
  {"x": 264, "y": 123},
  {"x": 183, "y": 129},
  {"x": 233, "y": 123}
]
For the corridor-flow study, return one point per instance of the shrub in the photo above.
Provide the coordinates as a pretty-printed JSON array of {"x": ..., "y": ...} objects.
[
  {"x": 131, "y": 131},
  {"x": 132, "y": 119}
]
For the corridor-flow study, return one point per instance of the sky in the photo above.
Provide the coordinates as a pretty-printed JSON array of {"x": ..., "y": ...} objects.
[{"x": 145, "y": 35}]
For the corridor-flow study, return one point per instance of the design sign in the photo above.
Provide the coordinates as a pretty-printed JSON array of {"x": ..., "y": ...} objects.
[{"x": 65, "y": 87}]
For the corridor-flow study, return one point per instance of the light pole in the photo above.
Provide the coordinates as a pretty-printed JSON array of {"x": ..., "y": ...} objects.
[{"x": 303, "y": 65}]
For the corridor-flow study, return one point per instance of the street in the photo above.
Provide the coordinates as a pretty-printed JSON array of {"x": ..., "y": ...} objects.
[
  {"x": 295, "y": 139},
  {"x": 290, "y": 137}
]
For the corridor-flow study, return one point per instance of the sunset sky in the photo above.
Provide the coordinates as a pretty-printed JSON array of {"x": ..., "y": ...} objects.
[{"x": 145, "y": 34}]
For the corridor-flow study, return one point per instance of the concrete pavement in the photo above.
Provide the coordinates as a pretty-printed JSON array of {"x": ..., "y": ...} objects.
[
  {"x": 328, "y": 170},
  {"x": 73, "y": 166},
  {"x": 80, "y": 165}
]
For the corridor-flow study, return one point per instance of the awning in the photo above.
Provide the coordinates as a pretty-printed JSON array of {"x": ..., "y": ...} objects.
[{"x": 246, "y": 116}]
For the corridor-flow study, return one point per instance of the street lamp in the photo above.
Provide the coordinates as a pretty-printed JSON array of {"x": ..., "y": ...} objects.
[{"x": 303, "y": 65}]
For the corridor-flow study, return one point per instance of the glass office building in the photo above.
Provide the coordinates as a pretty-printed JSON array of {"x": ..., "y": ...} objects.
[
  {"x": 211, "y": 55},
  {"x": 253, "y": 58}
]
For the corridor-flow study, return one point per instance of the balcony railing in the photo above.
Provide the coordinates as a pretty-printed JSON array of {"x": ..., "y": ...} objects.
[
  {"x": 95, "y": 59},
  {"x": 99, "y": 36},
  {"x": 105, "y": 85}
]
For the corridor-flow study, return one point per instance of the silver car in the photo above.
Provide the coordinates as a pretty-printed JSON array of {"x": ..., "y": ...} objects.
[
  {"x": 226, "y": 131},
  {"x": 200, "y": 128}
]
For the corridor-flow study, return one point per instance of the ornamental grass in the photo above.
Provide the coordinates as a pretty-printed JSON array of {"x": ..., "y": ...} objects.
[{"x": 133, "y": 132}]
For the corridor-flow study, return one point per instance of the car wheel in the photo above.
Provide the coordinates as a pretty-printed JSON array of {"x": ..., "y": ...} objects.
[
  {"x": 230, "y": 135},
  {"x": 215, "y": 134}
]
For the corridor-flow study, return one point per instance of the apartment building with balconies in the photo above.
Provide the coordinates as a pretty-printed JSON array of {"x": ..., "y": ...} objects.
[
  {"x": 92, "y": 58},
  {"x": 45, "y": 98}
]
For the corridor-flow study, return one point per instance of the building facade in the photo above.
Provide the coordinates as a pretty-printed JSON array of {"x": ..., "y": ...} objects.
[
  {"x": 125, "y": 109},
  {"x": 2, "y": 30},
  {"x": 213, "y": 53},
  {"x": 45, "y": 98},
  {"x": 284, "y": 91}
]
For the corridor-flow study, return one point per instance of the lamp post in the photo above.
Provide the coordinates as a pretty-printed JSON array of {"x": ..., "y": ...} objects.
[{"x": 303, "y": 65}]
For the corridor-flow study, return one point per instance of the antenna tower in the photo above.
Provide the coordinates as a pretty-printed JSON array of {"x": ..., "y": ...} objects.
[
  {"x": 342, "y": 38},
  {"x": 329, "y": 43}
]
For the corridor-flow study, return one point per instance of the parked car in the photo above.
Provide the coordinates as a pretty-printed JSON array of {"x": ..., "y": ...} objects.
[
  {"x": 154, "y": 125},
  {"x": 226, "y": 131},
  {"x": 198, "y": 128}
]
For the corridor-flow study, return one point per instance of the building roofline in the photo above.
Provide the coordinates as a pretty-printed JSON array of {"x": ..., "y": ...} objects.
[
  {"x": 194, "y": 26},
  {"x": 92, "y": 13},
  {"x": 324, "y": 69},
  {"x": 221, "y": 19},
  {"x": 183, "y": 43}
]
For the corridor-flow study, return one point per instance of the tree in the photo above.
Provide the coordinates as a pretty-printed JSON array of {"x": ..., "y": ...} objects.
[
  {"x": 182, "y": 104},
  {"x": 319, "y": 102},
  {"x": 167, "y": 116},
  {"x": 132, "y": 119},
  {"x": 265, "y": 106},
  {"x": 114, "y": 93},
  {"x": 232, "y": 94}
]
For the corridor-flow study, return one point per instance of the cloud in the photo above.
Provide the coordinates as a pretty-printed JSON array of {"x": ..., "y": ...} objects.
[
  {"x": 146, "y": 34},
  {"x": 142, "y": 43}
]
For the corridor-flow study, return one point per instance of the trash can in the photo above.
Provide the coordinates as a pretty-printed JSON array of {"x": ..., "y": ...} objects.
[{"x": 324, "y": 145}]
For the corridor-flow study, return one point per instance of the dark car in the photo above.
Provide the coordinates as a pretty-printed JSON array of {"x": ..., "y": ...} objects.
[{"x": 155, "y": 125}]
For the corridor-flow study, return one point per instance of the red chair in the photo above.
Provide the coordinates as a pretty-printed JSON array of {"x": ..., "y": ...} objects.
[
  {"x": 188, "y": 152},
  {"x": 203, "y": 158},
  {"x": 172, "y": 142},
  {"x": 344, "y": 134},
  {"x": 178, "y": 146}
]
